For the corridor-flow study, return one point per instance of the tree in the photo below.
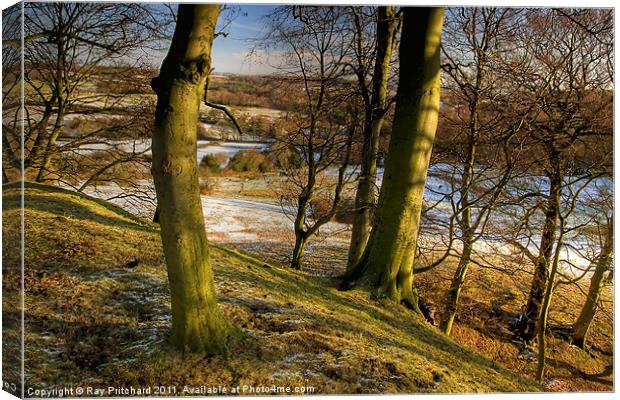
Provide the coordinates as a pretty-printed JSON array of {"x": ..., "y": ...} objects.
[
  {"x": 197, "y": 323},
  {"x": 480, "y": 148},
  {"x": 568, "y": 197},
  {"x": 374, "y": 95},
  {"x": 388, "y": 261},
  {"x": 602, "y": 265},
  {"x": 565, "y": 101},
  {"x": 84, "y": 113},
  {"x": 12, "y": 77},
  {"x": 316, "y": 47}
]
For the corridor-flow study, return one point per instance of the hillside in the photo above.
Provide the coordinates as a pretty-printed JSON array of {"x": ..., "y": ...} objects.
[{"x": 93, "y": 321}]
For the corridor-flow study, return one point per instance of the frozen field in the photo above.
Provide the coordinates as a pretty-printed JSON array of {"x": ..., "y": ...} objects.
[{"x": 262, "y": 226}]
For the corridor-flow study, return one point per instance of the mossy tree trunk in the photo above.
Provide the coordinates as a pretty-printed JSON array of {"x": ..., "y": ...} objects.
[
  {"x": 603, "y": 264},
  {"x": 298, "y": 250},
  {"x": 376, "y": 108},
  {"x": 387, "y": 263},
  {"x": 197, "y": 323},
  {"x": 527, "y": 328}
]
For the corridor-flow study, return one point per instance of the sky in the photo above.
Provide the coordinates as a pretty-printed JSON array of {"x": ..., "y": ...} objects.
[{"x": 231, "y": 53}]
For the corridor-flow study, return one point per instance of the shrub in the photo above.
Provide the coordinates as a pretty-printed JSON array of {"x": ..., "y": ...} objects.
[
  {"x": 251, "y": 161},
  {"x": 344, "y": 211},
  {"x": 289, "y": 158},
  {"x": 213, "y": 162},
  {"x": 202, "y": 131},
  {"x": 320, "y": 207}
]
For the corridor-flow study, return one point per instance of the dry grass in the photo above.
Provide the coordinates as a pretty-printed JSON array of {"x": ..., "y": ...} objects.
[
  {"x": 491, "y": 299},
  {"x": 91, "y": 321}
]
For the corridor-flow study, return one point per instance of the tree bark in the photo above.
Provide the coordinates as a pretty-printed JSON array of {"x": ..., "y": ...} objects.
[
  {"x": 527, "y": 328},
  {"x": 156, "y": 215},
  {"x": 582, "y": 325},
  {"x": 388, "y": 260},
  {"x": 366, "y": 194},
  {"x": 197, "y": 323},
  {"x": 300, "y": 225}
]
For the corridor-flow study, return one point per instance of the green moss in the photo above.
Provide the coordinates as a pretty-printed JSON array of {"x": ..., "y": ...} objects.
[{"x": 90, "y": 319}]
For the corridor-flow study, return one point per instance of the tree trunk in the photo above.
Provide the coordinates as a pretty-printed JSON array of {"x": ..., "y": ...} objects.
[
  {"x": 467, "y": 231},
  {"x": 300, "y": 230},
  {"x": 456, "y": 286},
  {"x": 527, "y": 328},
  {"x": 156, "y": 215},
  {"x": 197, "y": 323},
  {"x": 365, "y": 196},
  {"x": 546, "y": 303},
  {"x": 298, "y": 251},
  {"x": 48, "y": 151},
  {"x": 581, "y": 326},
  {"x": 388, "y": 260}
]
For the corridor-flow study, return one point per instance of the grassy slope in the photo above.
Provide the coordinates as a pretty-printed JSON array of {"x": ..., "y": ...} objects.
[
  {"x": 91, "y": 320},
  {"x": 492, "y": 299}
]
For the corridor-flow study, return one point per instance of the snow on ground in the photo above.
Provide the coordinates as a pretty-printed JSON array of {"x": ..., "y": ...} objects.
[
  {"x": 266, "y": 229},
  {"x": 144, "y": 146},
  {"x": 229, "y": 148}
]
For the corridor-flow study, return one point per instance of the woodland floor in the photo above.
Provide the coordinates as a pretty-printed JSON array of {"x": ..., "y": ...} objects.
[
  {"x": 490, "y": 300},
  {"x": 91, "y": 321}
]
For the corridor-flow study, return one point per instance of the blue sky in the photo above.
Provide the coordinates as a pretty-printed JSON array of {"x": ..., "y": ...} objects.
[{"x": 230, "y": 54}]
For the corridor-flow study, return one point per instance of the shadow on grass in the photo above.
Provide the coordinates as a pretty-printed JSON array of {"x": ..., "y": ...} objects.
[
  {"x": 575, "y": 371},
  {"x": 60, "y": 206},
  {"x": 314, "y": 290},
  {"x": 400, "y": 328}
]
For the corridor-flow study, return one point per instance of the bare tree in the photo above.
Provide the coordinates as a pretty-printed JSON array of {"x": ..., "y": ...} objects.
[
  {"x": 82, "y": 62},
  {"x": 480, "y": 146},
  {"x": 314, "y": 43},
  {"x": 565, "y": 99},
  {"x": 569, "y": 202},
  {"x": 12, "y": 111}
]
